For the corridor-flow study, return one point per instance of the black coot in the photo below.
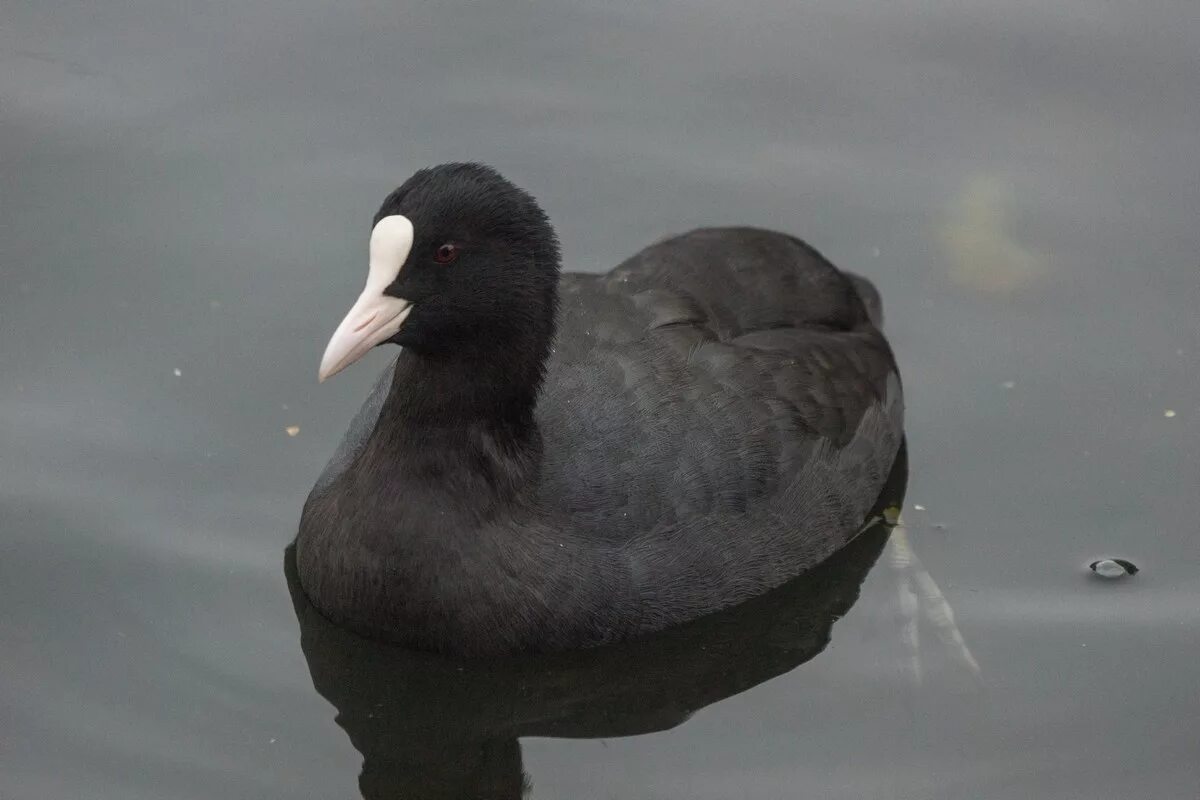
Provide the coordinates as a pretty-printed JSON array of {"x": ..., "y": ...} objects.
[{"x": 565, "y": 460}]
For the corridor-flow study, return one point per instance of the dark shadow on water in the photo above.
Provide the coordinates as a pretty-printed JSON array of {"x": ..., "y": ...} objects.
[{"x": 435, "y": 727}]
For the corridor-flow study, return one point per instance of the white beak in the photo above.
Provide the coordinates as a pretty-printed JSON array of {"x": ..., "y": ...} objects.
[{"x": 375, "y": 317}]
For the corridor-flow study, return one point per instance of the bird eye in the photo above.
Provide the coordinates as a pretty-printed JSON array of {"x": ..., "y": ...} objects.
[{"x": 446, "y": 253}]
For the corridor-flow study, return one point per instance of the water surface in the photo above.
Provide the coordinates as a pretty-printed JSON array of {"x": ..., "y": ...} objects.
[{"x": 187, "y": 193}]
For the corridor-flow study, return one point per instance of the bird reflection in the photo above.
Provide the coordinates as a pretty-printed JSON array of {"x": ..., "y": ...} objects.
[{"x": 431, "y": 727}]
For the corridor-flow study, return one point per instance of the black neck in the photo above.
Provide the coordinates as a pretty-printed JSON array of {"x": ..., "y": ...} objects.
[
  {"x": 462, "y": 426},
  {"x": 494, "y": 387}
]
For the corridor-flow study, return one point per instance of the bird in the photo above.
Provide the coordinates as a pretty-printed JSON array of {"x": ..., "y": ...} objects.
[{"x": 562, "y": 460}]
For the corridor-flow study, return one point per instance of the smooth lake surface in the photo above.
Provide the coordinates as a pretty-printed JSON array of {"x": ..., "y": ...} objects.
[{"x": 186, "y": 191}]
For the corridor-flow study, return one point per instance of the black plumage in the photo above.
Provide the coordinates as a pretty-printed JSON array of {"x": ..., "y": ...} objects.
[{"x": 557, "y": 461}]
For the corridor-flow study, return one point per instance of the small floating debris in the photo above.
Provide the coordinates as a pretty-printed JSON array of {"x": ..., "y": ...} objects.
[
  {"x": 178, "y": 372},
  {"x": 292, "y": 430},
  {"x": 1009, "y": 384},
  {"x": 1113, "y": 568},
  {"x": 1168, "y": 413},
  {"x": 918, "y": 507}
]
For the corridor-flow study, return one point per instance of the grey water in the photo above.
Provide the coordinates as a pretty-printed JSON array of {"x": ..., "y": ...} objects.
[{"x": 185, "y": 196}]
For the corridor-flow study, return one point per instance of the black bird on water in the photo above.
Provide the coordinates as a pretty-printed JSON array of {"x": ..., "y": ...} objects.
[{"x": 562, "y": 460}]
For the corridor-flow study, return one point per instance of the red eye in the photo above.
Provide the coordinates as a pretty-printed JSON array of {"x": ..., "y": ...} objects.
[{"x": 446, "y": 253}]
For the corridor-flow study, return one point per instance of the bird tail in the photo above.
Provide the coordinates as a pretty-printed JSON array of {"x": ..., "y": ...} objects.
[{"x": 870, "y": 298}]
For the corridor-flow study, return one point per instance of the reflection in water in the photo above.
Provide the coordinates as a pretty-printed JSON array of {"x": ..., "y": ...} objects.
[
  {"x": 434, "y": 727},
  {"x": 920, "y": 596},
  {"x": 976, "y": 236}
]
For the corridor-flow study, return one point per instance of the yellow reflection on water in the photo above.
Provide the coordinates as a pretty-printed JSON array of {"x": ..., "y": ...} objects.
[{"x": 975, "y": 234}]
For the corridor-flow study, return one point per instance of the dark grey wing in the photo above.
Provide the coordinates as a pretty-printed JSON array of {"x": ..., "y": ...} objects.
[
  {"x": 723, "y": 411},
  {"x": 736, "y": 280},
  {"x": 722, "y": 556},
  {"x": 717, "y": 373},
  {"x": 360, "y": 429}
]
